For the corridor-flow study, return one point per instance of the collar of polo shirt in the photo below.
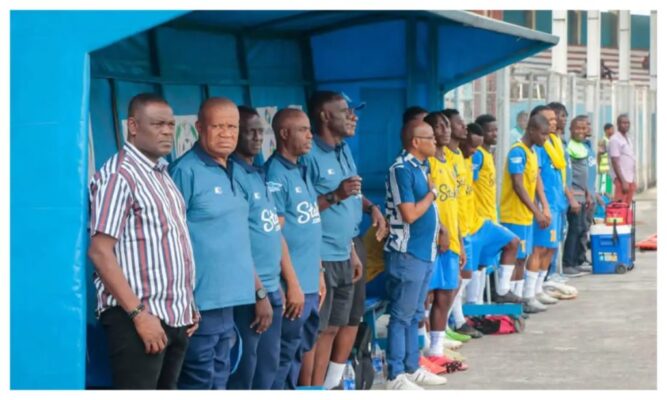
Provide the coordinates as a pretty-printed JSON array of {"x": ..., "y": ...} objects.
[
  {"x": 326, "y": 146},
  {"x": 160, "y": 165},
  {"x": 242, "y": 162}
]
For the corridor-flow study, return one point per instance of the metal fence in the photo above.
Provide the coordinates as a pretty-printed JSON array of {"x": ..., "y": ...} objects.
[{"x": 509, "y": 91}]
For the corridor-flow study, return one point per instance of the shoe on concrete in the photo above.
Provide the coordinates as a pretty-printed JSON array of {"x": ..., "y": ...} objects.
[
  {"x": 449, "y": 343},
  {"x": 509, "y": 297},
  {"x": 557, "y": 278},
  {"x": 402, "y": 382},
  {"x": 586, "y": 269},
  {"x": 466, "y": 329},
  {"x": 561, "y": 287},
  {"x": 557, "y": 294},
  {"x": 572, "y": 272},
  {"x": 461, "y": 337},
  {"x": 454, "y": 355},
  {"x": 423, "y": 377},
  {"x": 533, "y": 306},
  {"x": 544, "y": 298}
]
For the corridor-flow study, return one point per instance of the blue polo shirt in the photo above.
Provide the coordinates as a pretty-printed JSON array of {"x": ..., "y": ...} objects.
[
  {"x": 327, "y": 167},
  {"x": 296, "y": 201},
  {"x": 265, "y": 236},
  {"x": 217, "y": 217},
  {"x": 407, "y": 183},
  {"x": 552, "y": 180}
]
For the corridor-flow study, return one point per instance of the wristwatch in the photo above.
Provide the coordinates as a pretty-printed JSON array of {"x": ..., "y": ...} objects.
[
  {"x": 330, "y": 198},
  {"x": 435, "y": 193},
  {"x": 260, "y": 294},
  {"x": 369, "y": 209}
]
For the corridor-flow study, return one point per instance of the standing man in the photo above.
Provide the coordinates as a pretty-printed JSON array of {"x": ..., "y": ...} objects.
[
  {"x": 519, "y": 187},
  {"x": 296, "y": 202},
  {"x": 491, "y": 238},
  {"x": 517, "y": 132},
  {"x": 261, "y": 344},
  {"x": 605, "y": 184},
  {"x": 577, "y": 218},
  {"x": 144, "y": 268},
  {"x": 333, "y": 172},
  {"x": 551, "y": 164},
  {"x": 622, "y": 155},
  {"x": 445, "y": 278},
  {"x": 410, "y": 251},
  {"x": 218, "y": 222}
]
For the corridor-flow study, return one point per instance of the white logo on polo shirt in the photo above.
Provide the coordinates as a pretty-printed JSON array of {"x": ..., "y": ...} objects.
[
  {"x": 256, "y": 195},
  {"x": 217, "y": 190},
  {"x": 298, "y": 189},
  {"x": 308, "y": 212},
  {"x": 330, "y": 171},
  {"x": 270, "y": 220}
]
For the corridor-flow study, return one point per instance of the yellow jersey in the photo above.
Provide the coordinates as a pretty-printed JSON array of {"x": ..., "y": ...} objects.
[
  {"x": 444, "y": 179},
  {"x": 473, "y": 221},
  {"x": 455, "y": 160},
  {"x": 520, "y": 160},
  {"x": 484, "y": 185}
]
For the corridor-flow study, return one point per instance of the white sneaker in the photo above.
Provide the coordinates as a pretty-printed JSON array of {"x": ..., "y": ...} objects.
[
  {"x": 567, "y": 289},
  {"x": 534, "y": 304},
  {"x": 423, "y": 377},
  {"x": 451, "y": 343},
  {"x": 402, "y": 382},
  {"x": 544, "y": 298}
]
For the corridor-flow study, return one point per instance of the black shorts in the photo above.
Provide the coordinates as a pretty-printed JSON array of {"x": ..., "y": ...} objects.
[
  {"x": 337, "y": 304},
  {"x": 359, "y": 299}
]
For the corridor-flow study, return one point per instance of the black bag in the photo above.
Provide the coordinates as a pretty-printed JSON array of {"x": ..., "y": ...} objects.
[{"x": 361, "y": 358}]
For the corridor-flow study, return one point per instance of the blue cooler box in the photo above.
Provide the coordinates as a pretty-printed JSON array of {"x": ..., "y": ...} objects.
[{"x": 611, "y": 252}]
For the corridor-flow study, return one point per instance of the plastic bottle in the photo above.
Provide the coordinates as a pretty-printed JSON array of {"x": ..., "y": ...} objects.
[
  {"x": 349, "y": 379},
  {"x": 378, "y": 365}
]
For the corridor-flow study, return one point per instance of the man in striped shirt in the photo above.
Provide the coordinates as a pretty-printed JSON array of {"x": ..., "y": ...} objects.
[{"x": 144, "y": 269}]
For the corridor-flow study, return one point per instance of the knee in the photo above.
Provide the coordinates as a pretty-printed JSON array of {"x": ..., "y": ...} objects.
[
  {"x": 330, "y": 331},
  {"x": 513, "y": 245}
]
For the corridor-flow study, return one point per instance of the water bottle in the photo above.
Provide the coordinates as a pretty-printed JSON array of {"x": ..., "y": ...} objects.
[
  {"x": 378, "y": 365},
  {"x": 349, "y": 380}
]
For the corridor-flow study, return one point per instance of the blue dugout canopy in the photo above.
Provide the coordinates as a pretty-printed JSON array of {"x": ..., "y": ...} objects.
[{"x": 73, "y": 73}]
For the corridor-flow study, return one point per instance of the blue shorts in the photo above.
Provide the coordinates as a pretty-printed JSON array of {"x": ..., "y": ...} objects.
[
  {"x": 525, "y": 235},
  {"x": 445, "y": 272},
  {"x": 487, "y": 242},
  {"x": 549, "y": 236}
]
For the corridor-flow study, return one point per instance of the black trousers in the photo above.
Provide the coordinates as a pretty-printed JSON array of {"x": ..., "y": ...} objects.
[
  {"x": 576, "y": 231},
  {"x": 131, "y": 367}
]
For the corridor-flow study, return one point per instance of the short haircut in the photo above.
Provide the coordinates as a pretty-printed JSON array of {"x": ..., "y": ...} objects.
[
  {"x": 246, "y": 111},
  {"x": 538, "y": 121},
  {"x": 318, "y": 100},
  {"x": 556, "y": 106},
  {"x": 475, "y": 129},
  {"x": 142, "y": 100},
  {"x": 212, "y": 102},
  {"x": 280, "y": 118},
  {"x": 624, "y": 115},
  {"x": 432, "y": 118},
  {"x": 411, "y": 112},
  {"x": 450, "y": 112},
  {"x": 608, "y": 126},
  {"x": 521, "y": 114},
  {"x": 539, "y": 109},
  {"x": 484, "y": 119},
  {"x": 578, "y": 118}
]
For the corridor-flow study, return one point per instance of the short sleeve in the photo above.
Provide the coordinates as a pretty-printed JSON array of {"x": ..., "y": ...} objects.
[
  {"x": 400, "y": 184},
  {"x": 183, "y": 178},
  {"x": 278, "y": 189},
  {"x": 614, "y": 148},
  {"x": 477, "y": 162},
  {"x": 110, "y": 204},
  {"x": 516, "y": 161}
]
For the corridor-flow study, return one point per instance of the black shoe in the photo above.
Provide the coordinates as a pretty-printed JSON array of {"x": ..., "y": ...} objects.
[
  {"x": 509, "y": 297},
  {"x": 572, "y": 272},
  {"x": 466, "y": 329}
]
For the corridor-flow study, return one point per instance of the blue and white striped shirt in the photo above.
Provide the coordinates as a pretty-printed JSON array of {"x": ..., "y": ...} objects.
[{"x": 407, "y": 182}]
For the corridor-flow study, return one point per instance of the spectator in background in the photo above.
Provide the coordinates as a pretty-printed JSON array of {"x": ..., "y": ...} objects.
[
  {"x": 622, "y": 155},
  {"x": 414, "y": 112},
  {"x": 521, "y": 122},
  {"x": 605, "y": 184}
]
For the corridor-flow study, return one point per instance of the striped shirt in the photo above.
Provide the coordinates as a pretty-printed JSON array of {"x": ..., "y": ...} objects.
[
  {"x": 407, "y": 182},
  {"x": 133, "y": 200}
]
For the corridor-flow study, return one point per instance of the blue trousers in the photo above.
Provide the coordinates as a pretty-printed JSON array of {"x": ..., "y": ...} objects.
[
  {"x": 297, "y": 337},
  {"x": 207, "y": 364},
  {"x": 261, "y": 352},
  {"x": 408, "y": 279}
]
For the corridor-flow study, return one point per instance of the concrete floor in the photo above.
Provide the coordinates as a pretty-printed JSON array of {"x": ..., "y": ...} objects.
[{"x": 605, "y": 339}]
